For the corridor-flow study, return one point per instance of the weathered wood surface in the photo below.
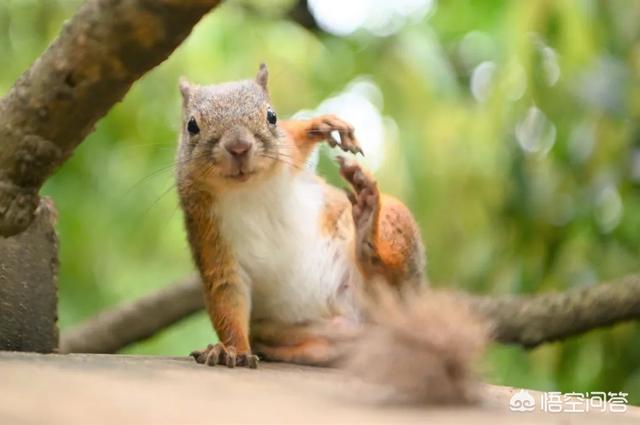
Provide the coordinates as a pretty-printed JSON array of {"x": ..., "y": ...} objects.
[{"x": 100, "y": 389}]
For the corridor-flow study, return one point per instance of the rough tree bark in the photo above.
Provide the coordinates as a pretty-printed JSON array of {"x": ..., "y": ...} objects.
[
  {"x": 533, "y": 320},
  {"x": 29, "y": 284},
  {"x": 99, "y": 53},
  {"x": 524, "y": 320},
  {"x": 301, "y": 14}
]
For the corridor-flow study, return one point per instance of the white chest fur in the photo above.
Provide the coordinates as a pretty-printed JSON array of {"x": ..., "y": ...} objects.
[{"x": 273, "y": 228}]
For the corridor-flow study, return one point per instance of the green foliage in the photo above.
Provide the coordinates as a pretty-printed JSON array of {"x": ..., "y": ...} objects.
[{"x": 529, "y": 183}]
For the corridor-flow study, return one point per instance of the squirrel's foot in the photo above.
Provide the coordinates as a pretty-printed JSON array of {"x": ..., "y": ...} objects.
[
  {"x": 323, "y": 127},
  {"x": 215, "y": 354},
  {"x": 365, "y": 207},
  {"x": 365, "y": 197}
]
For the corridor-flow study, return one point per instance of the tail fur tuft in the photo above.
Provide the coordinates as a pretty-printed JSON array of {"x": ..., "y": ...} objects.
[{"x": 423, "y": 345}]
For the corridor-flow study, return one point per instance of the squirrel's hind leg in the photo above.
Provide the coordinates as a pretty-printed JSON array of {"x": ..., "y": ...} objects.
[
  {"x": 314, "y": 351},
  {"x": 313, "y": 344},
  {"x": 388, "y": 241}
]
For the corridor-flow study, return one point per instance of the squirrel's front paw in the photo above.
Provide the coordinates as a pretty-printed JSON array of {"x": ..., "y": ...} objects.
[
  {"x": 324, "y": 127},
  {"x": 218, "y": 353}
]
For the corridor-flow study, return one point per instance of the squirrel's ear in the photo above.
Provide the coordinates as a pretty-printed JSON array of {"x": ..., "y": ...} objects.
[
  {"x": 185, "y": 88},
  {"x": 263, "y": 76}
]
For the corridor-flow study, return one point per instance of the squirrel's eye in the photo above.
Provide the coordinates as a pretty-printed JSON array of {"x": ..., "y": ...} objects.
[
  {"x": 272, "y": 118},
  {"x": 192, "y": 127}
]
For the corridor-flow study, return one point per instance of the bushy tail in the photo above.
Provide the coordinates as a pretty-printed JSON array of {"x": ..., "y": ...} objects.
[{"x": 423, "y": 345}]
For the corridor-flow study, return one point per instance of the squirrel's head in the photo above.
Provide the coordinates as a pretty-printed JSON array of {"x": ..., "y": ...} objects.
[{"x": 229, "y": 131}]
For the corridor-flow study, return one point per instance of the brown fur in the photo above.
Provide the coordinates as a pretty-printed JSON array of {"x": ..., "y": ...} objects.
[
  {"x": 337, "y": 220},
  {"x": 226, "y": 302}
]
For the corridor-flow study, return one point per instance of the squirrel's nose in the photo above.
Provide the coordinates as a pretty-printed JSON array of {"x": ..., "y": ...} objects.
[{"x": 238, "y": 147}]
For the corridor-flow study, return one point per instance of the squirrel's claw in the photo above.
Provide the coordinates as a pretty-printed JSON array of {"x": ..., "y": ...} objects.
[
  {"x": 219, "y": 354},
  {"x": 326, "y": 125}
]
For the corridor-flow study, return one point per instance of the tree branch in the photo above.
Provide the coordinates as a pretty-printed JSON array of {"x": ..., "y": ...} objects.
[
  {"x": 301, "y": 14},
  {"x": 114, "y": 329},
  {"x": 537, "y": 319},
  {"x": 525, "y": 320},
  {"x": 99, "y": 53}
]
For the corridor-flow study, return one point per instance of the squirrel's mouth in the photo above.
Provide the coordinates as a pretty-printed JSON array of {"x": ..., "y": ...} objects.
[{"x": 240, "y": 176}]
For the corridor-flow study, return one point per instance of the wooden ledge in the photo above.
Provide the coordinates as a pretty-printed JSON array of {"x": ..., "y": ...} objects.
[{"x": 102, "y": 388}]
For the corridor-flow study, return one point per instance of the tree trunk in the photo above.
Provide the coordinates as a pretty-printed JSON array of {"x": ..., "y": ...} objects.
[
  {"x": 29, "y": 286},
  {"x": 99, "y": 53}
]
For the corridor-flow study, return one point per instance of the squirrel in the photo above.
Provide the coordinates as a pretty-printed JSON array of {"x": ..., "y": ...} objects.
[
  {"x": 284, "y": 257},
  {"x": 281, "y": 252}
]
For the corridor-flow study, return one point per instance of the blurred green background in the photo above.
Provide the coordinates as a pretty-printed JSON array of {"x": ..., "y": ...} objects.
[{"x": 511, "y": 128}]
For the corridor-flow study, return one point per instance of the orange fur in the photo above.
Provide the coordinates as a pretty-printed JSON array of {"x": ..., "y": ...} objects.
[
  {"x": 297, "y": 132},
  {"x": 305, "y": 134},
  {"x": 396, "y": 240},
  {"x": 306, "y": 343},
  {"x": 226, "y": 301},
  {"x": 336, "y": 220},
  {"x": 314, "y": 351},
  {"x": 388, "y": 241}
]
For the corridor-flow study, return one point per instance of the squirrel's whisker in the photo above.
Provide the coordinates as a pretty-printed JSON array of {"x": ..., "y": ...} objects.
[
  {"x": 157, "y": 200},
  {"x": 282, "y": 160},
  {"x": 285, "y": 155},
  {"x": 163, "y": 146},
  {"x": 161, "y": 170}
]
